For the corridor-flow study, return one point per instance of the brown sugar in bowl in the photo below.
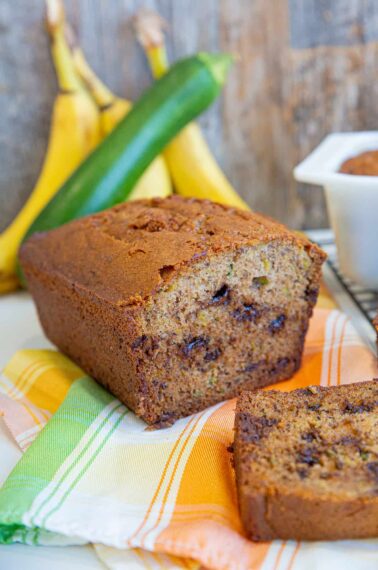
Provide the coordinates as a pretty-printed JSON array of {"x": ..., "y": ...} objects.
[{"x": 363, "y": 164}]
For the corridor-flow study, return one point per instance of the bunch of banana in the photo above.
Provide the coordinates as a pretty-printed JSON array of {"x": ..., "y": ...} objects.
[
  {"x": 191, "y": 164},
  {"x": 156, "y": 181},
  {"x": 73, "y": 135}
]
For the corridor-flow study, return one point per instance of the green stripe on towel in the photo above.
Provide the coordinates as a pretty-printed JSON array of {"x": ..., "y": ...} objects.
[{"x": 71, "y": 440}]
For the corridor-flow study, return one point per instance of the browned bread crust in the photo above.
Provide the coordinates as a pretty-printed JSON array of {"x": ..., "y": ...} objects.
[
  {"x": 127, "y": 253},
  {"x": 307, "y": 462},
  {"x": 160, "y": 300}
]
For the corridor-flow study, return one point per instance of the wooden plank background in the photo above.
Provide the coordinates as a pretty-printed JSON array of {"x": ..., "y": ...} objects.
[{"x": 305, "y": 68}]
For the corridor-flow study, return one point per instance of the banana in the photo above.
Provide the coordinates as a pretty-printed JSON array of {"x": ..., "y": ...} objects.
[
  {"x": 8, "y": 284},
  {"x": 195, "y": 172},
  {"x": 74, "y": 133},
  {"x": 191, "y": 164},
  {"x": 156, "y": 181}
]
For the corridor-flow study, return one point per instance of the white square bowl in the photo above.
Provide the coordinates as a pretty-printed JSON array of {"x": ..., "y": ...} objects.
[{"x": 352, "y": 202}]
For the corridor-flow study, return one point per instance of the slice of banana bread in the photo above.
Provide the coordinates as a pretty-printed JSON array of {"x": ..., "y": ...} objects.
[
  {"x": 307, "y": 462},
  {"x": 175, "y": 304}
]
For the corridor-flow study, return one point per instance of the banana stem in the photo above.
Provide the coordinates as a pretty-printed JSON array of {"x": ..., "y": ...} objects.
[
  {"x": 157, "y": 58},
  {"x": 149, "y": 28},
  {"x": 68, "y": 78},
  {"x": 9, "y": 284},
  {"x": 99, "y": 91}
]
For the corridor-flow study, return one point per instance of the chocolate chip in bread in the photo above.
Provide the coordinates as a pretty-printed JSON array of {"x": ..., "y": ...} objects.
[{"x": 307, "y": 462}]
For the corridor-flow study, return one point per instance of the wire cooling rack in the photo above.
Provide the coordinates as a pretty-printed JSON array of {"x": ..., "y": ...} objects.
[{"x": 359, "y": 303}]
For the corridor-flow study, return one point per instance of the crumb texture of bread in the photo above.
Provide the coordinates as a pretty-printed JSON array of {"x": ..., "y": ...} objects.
[
  {"x": 175, "y": 304},
  {"x": 307, "y": 462}
]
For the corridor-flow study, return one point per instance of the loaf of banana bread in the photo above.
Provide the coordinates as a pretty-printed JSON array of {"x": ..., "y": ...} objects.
[
  {"x": 175, "y": 304},
  {"x": 307, "y": 462}
]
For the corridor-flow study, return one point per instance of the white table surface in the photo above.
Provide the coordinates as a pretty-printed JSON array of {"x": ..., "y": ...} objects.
[{"x": 18, "y": 322}]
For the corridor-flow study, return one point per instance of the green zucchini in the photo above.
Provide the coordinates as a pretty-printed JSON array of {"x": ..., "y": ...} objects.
[{"x": 109, "y": 174}]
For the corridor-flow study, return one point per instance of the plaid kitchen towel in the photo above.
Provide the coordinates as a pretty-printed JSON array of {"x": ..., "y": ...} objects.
[{"x": 95, "y": 474}]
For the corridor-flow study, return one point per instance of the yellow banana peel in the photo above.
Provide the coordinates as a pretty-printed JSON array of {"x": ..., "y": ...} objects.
[
  {"x": 73, "y": 135},
  {"x": 8, "y": 284},
  {"x": 193, "y": 168},
  {"x": 194, "y": 171},
  {"x": 156, "y": 181}
]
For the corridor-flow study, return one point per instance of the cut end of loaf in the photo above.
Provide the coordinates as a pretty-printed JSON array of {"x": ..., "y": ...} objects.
[{"x": 238, "y": 321}]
